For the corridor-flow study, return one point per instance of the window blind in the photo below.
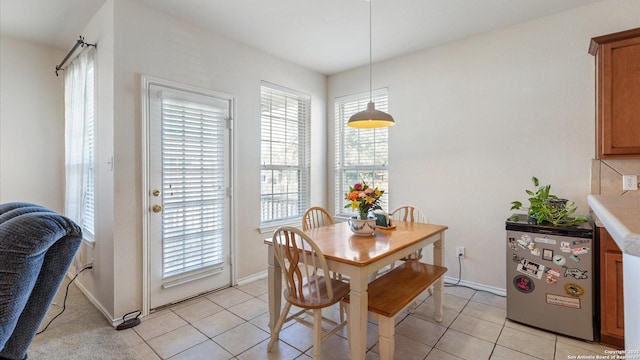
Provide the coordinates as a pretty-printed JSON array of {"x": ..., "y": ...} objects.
[
  {"x": 193, "y": 181},
  {"x": 360, "y": 154},
  {"x": 284, "y": 153},
  {"x": 89, "y": 207},
  {"x": 80, "y": 138}
]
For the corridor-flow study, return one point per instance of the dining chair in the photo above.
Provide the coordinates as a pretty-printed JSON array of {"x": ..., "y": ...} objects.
[
  {"x": 411, "y": 214},
  {"x": 303, "y": 266},
  {"x": 316, "y": 217}
]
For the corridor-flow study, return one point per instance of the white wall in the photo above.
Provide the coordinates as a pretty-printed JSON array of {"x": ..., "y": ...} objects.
[
  {"x": 156, "y": 44},
  {"x": 31, "y": 124},
  {"x": 132, "y": 40},
  {"x": 100, "y": 283},
  {"x": 476, "y": 119}
]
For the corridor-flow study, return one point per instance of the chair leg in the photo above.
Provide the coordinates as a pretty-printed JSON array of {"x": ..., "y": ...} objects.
[
  {"x": 276, "y": 330},
  {"x": 317, "y": 333}
]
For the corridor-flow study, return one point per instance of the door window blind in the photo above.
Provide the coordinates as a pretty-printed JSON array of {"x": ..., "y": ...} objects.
[
  {"x": 284, "y": 153},
  {"x": 193, "y": 181},
  {"x": 360, "y": 154}
]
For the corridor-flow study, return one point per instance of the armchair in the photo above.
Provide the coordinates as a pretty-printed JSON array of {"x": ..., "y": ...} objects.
[{"x": 37, "y": 246}]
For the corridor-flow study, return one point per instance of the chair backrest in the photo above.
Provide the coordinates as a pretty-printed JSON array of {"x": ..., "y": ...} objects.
[
  {"x": 409, "y": 214},
  {"x": 316, "y": 217},
  {"x": 302, "y": 262}
]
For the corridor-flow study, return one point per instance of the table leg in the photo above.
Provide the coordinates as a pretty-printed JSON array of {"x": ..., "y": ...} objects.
[
  {"x": 358, "y": 315},
  {"x": 438, "y": 287},
  {"x": 275, "y": 288},
  {"x": 386, "y": 339}
]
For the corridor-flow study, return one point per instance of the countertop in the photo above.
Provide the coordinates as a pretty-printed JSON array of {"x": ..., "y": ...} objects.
[{"x": 620, "y": 215}]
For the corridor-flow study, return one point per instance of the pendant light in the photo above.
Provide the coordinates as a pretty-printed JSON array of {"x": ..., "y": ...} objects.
[{"x": 370, "y": 118}]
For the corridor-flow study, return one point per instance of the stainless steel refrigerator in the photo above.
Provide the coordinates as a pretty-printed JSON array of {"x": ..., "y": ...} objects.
[{"x": 550, "y": 277}]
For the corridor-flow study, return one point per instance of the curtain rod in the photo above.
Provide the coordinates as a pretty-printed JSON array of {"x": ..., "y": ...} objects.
[{"x": 79, "y": 43}]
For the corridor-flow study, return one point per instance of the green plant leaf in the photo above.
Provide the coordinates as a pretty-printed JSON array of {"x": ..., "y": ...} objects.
[{"x": 516, "y": 205}]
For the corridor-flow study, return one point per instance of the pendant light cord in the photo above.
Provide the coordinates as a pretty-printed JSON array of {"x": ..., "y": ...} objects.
[{"x": 370, "y": 57}]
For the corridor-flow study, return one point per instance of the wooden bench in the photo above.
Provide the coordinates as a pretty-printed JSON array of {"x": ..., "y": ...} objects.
[{"x": 393, "y": 292}]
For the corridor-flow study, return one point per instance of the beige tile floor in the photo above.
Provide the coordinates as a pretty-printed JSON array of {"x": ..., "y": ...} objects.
[{"x": 233, "y": 324}]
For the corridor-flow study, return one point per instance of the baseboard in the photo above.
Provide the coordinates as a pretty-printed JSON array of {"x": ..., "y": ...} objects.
[
  {"x": 614, "y": 341},
  {"x": 95, "y": 302},
  {"x": 252, "y": 278},
  {"x": 476, "y": 286}
]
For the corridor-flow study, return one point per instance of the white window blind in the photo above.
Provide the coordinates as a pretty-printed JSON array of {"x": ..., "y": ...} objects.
[
  {"x": 79, "y": 92},
  {"x": 89, "y": 208},
  {"x": 284, "y": 139},
  {"x": 193, "y": 181},
  {"x": 360, "y": 154}
]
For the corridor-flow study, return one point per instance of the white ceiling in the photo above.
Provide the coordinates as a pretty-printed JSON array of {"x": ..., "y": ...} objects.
[{"x": 327, "y": 36}]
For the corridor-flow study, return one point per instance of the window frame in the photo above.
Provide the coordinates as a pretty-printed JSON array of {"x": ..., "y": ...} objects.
[
  {"x": 302, "y": 165},
  {"x": 344, "y": 108}
]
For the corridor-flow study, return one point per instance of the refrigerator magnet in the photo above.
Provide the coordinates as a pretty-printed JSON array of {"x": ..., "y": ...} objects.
[
  {"x": 566, "y": 301},
  {"x": 531, "y": 268},
  {"x": 580, "y": 241},
  {"x": 559, "y": 260},
  {"x": 575, "y": 273},
  {"x": 564, "y": 246},
  {"x": 547, "y": 254},
  {"x": 535, "y": 252},
  {"x": 574, "y": 258},
  {"x": 552, "y": 272},
  {"x": 580, "y": 250},
  {"x": 545, "y": 241},
  {"x": 523, "y": 283},
  {"x": 574, "y": 290}
]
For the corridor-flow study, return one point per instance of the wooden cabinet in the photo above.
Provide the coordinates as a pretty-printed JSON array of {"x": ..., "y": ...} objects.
[
  {"x": 611, "y": 295},
  {"x": 617, "y": 94}
]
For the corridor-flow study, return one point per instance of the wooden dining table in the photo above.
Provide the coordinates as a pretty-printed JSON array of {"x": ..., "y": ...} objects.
[{"x": 358, "y": 257}]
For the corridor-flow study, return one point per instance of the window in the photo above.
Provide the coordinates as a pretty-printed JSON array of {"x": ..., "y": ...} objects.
[
  {"x": 284, "y": 191},
  {"x": 360, "y": 154},
  {"x": 80, "y": 141}
]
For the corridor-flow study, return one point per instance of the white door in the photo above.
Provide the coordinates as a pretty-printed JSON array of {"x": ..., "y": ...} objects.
[{"x": 189, "y": 193}]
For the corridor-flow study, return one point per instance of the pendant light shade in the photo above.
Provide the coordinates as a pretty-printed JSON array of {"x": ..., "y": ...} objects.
[{"x": 370, "y": 118}]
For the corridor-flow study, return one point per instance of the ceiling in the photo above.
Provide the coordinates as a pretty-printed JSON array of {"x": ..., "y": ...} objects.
[{"x": 327, "y": 36}]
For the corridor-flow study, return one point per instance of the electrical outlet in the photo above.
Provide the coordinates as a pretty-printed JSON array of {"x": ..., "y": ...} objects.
[
  {"x": 630, "y": 182},
  {"x": 460, "y": 251}
]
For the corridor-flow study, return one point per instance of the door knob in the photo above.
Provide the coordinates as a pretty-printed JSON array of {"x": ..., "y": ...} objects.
[
  {"x": 156, "y": 208},
  {"x": 156, "y": 192}
]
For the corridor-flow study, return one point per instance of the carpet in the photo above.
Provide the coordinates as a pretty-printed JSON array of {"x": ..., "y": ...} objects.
[{"x": 80, "y": 333}]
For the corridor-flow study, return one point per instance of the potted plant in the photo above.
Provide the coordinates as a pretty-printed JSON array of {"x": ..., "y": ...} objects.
[{"x": 548, "y": 209}]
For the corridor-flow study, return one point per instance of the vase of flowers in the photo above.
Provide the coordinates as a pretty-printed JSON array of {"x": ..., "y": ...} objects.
[{"x": 363, "y": 199}]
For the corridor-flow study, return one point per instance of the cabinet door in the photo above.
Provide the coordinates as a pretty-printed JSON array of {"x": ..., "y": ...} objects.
[
  {"x": 612, "y": 305},
  {"x": 618, "y": 91}
]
